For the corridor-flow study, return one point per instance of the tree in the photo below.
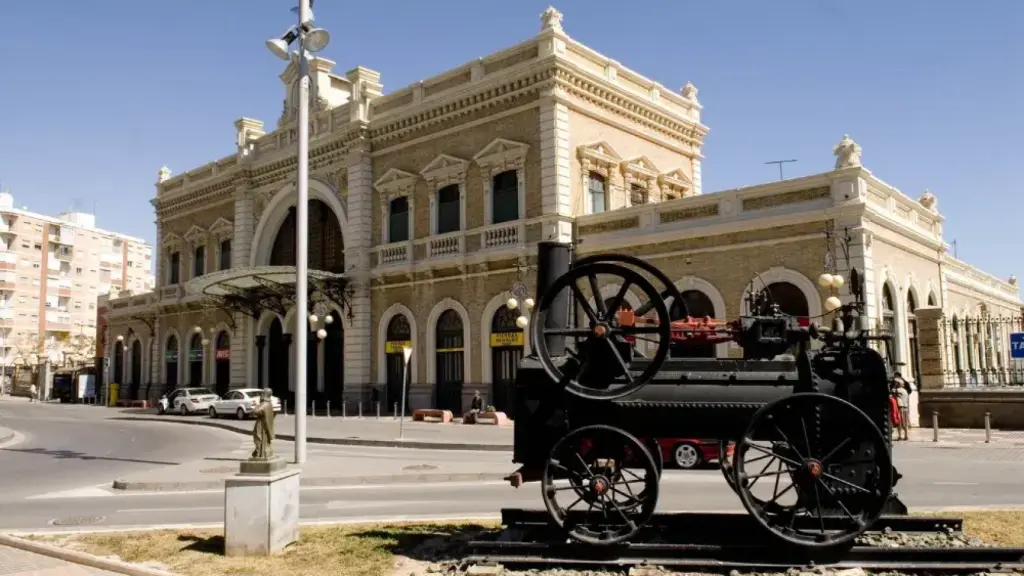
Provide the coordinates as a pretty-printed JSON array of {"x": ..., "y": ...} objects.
[{"x": 25, "y": 349}]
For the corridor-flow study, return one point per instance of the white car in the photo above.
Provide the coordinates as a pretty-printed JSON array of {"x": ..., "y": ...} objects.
[
  {"x": 240, "y": 403},
  {"x": 187, "y": 401}
]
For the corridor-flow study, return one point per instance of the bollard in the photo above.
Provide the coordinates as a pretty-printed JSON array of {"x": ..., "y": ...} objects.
[
  {"x": 377, "y": 406},
  {"x": 284, "y": 407},
  {"x": 935, "y": 425},
  {"x": 344, "y": 408},
  {"x": 988, "y": 427},
  {"x": 328, "y": 408},
  {"x": 360, "y": 409},
  {"x": 395, "y": 413},
  {"x": 312, "y": 409}
]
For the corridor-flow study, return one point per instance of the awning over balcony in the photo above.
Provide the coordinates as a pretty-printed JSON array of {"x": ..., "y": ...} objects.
[{"x": 252, "y": 290}]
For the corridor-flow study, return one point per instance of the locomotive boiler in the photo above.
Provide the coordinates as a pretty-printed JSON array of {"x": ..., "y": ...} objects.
[{"x": 806, "y": 408}]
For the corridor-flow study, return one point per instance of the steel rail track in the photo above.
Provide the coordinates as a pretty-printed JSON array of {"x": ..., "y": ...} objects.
[{"x": 529, "y": 542}]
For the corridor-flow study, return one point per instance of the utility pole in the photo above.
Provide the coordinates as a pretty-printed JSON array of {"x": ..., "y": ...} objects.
[{"x": 780, "y": 163}]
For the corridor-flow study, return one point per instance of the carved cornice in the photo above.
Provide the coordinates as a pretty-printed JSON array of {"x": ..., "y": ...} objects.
[
  {"x": 196, "y": 235},
  {"x": 444, "y": 170},
  {"x": 171, "y": 241},
  {"x": 599, "y": 154},
  {"x": 640, "y": 168},
  {"x": 676, "y": 182},
  {"x": 222, "y": 229},
  {"x": 501, "y": 155}
]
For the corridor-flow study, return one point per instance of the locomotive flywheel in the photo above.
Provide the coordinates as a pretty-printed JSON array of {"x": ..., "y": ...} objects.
[
  {"x": 824, "y": 466},
  {"x": 611, "y": 489},
  {"x": 601, "y": 352}
]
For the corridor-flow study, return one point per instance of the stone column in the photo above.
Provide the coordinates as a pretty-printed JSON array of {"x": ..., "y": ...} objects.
[
  {"x": 930, "y": 339},
  {"x": 241, "y": 248},
  {"x": 156, "y": 353},
  {"x": 357, "y": 334},
  {"x": 556, "y": 164}
]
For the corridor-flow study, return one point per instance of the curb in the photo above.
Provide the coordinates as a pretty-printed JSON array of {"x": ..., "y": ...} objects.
[
  {"x": 415, "y": 444},
  {"x": 80, "y": 558},
  {"x": 381, "y": 480}
]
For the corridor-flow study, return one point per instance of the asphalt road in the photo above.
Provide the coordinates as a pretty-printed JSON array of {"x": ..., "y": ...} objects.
[
  {"x": 61, "y": 471},
  {"x": 69, "y": 446}
]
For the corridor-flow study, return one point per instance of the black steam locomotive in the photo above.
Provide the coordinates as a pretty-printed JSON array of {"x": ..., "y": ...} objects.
[{"x": 806, "y": 408}]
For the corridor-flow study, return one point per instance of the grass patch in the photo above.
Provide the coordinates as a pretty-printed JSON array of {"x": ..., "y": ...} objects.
[
  {"x": 998, "y": 527},
  {"x": 378, "y": 549},
  {"x": 365, "y": 550}
]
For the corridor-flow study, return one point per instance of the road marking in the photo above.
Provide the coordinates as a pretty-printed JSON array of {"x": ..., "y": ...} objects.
[
  {"x": 14, "y": 440},
  {"x": 158, "y": 510},
  {"x": 87, "y": 492},
  {"x": 955, "y": 483}
]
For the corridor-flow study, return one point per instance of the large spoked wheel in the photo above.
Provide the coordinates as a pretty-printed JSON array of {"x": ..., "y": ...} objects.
[
  {"x": 599, "y": 351},
  {"x": 813, "y": 470},
  {"x": 611, "y": 489},
  {"x": 676, "y": 311}
]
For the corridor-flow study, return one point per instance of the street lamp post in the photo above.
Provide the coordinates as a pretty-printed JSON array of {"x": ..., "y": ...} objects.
[{"x": 310, "y": 40}]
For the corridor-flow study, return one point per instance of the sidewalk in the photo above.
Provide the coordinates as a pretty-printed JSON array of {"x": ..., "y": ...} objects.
[
  {"x": 330, "y": 468},
  {"x": 14, "y": 562},
  {"x": 353, "y": 431},
  {"x": 963, "y": 436}
]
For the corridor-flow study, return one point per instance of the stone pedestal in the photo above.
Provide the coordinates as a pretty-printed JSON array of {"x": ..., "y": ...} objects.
[{"x": 261, "y": 509}]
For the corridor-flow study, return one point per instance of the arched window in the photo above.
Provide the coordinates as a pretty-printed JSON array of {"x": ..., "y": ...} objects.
[
  {"x": 698, "y": 305},
  {"x": 638, "y": 194},
  {"x": 326, "y": 246},
  {"x": 225, "y": 255},
  {"x": 931, "y": 299},
  {"x": 398, "y": 219},
  {"x": 505, "y": 197},
  {"x": 449, "y": 359},
  {"x": 199, "y": 262},
  {"x": 888, "y": 311},
  {"x": 136, "y": 378},
  {"x": 507, "y": 344},
  {"x": 789, "y": 298},
  {"x": 171, "y": 361},
  {"x": 449, "y": 218},
  {"x": 957, "y": 364},
  {"x": 174, "y": 268},
  {"x": 597, "y": 192},
  {"x": 118, "y": 375}
]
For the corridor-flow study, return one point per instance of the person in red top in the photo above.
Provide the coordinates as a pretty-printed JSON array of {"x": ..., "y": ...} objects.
[{"x": 895, "y": 414}]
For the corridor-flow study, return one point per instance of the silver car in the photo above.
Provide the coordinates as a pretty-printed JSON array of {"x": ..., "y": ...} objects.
[{"x": 240, "y": 403}]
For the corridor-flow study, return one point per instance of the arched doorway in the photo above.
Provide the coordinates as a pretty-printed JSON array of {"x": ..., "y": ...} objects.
[
  {"x": 334, "y": 359},
  {"x": 222, "y": 368},
  {"x": 195, "y": 361},
  {"x": 915, "y": 362},
  {"x": 277, "y": 359},
  {"x": 171, "y": 361},
  {"x": 136, "y": 379},
  {"x": 698, "y": 305},
  {"x": 326, "y": 247},
  {"x": 789, "y": 298},
  {"x": 118, "y": 375},
  {"x": 450, "y": 351},
  {"x": 507, "y": 344},
  {"x": 397, "y": 337}
]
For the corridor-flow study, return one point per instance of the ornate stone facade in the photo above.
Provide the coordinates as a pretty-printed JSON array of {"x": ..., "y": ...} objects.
[{"x": 442, "y": 190}]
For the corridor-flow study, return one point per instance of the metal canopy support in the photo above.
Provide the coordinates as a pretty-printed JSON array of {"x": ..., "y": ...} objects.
[{"x": 276, "y": 296}]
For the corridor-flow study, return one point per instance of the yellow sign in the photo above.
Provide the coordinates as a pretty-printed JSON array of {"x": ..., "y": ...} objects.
[
  {"x": 506, "y": 339},
  {"x": 395, "y": 346}
]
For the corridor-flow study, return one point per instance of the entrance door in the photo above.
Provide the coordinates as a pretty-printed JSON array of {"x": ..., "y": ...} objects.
[
  {"x": 222, "y": 356},
  {"x": 277, "y": 360},
  {"x": 136, "y": 364},
  {"x": 506, "y": 351},
  {"x": 399, "y": 336},
  {"x": 195, "y": 361},
  {"x": 450, "y": 351}
]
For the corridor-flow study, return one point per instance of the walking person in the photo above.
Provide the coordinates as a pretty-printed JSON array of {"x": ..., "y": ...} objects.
[
  {"x": 899, "y": 387},
  {"x": 33, "y": 393}
]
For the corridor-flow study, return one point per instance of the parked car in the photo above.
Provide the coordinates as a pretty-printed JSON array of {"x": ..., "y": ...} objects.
[
  {"x": 187, "y": 401},
  {"x": 241, "y": 403},
  {"x": 688, "y": 453}
]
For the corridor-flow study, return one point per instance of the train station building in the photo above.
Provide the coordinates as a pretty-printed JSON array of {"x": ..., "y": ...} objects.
[{"x": 426, "y": 205}]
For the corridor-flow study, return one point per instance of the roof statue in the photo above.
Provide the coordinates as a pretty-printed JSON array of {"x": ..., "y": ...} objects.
[
  {"x": 689, "y": 91},
  {"x": 929, "y": 201},
  {"x": 1012, "y": 280},
  {"x": 847, "y": 153},
  {"x": 163, "y": 174},
  {"x": 551, "y": 19}
]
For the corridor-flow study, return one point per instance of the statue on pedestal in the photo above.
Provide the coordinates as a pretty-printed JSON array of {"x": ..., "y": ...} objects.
[{"x": 263, "y": 431}]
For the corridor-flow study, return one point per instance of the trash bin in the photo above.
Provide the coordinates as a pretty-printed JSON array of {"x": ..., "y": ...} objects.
[{"x": 112, "y": 398}]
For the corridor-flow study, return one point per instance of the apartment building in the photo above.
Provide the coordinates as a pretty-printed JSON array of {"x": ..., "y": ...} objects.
[{"x": 52, "y": 270}]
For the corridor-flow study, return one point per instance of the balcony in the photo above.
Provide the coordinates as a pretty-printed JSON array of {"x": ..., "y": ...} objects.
[
  {"x": 446, "y": 245},
  {"x": 8, "y": 260},
  {"x": 62, "y": 236},
  {"x": 110, "y": 260},
  {"x": 7, "y": 280},
  {"x": 58, "y": 321}
]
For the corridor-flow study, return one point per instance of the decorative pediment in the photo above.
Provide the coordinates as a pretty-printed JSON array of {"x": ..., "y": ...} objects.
[
  {"x": 445, "y": 170},
  {"x": 195, "y": 235},
  {"x": 171, "y": 240},
  {"x": 676, "y": 182},
  {"x": 640, "y": 166},
  {"x": 396, "y": 182},
  {"x": 599, "y": 153},
  {"x": 222, "y": 229},
  {"x": 502, "y": 154}
]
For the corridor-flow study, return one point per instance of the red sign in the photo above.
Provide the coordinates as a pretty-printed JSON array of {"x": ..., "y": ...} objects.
[{"x": 224, "y": 354}]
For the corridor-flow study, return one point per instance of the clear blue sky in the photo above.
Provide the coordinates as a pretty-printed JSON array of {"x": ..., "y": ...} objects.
[{"x": 97, "y": 94}]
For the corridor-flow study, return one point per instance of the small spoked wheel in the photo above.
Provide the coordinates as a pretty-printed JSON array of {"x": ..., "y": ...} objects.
[
  {"x": 610, "y": 487},
  {"x": 813, "y": 470},
  {"x": 599, "y": 347}
]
